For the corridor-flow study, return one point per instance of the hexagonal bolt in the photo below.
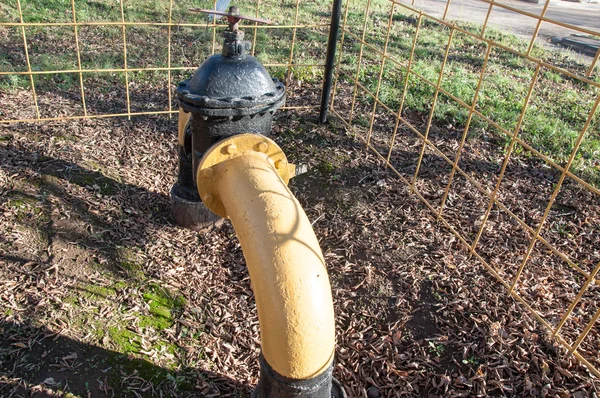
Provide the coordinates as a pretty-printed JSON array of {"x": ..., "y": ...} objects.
[
  {"x": 208, "y": 173},
  {"x": 231, "y": 148},
  {"x": 263, "y": 146}
]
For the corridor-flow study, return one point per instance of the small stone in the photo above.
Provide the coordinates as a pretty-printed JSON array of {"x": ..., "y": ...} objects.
[
  {"x": 49, "y": 381},
  {"x": 373, "y": 392}
]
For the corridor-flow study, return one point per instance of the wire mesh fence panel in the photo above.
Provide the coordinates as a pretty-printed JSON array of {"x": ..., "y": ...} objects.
[
  {"x": 496, "y": 133},
  {"x": 73, "y": 50}
]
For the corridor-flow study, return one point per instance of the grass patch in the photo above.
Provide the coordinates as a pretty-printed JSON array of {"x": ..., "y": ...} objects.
[{"x": 557, "y": 111}]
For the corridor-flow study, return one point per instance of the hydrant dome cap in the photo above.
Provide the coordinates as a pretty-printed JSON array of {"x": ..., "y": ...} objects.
[{"x": 224, "y": 82}]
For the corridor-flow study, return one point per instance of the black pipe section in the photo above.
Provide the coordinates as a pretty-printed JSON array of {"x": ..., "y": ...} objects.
[
  {"x": 186, "y": 177},
  {"x": 274, "y": 385},
  {"x": 334, "y": 27}
]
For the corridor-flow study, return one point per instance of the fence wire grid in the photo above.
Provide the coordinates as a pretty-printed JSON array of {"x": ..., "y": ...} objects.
[
  {"x": 124, "y": 42},
  {"x": 392, "y": 55},
  {"x": 389, "y": 54}
]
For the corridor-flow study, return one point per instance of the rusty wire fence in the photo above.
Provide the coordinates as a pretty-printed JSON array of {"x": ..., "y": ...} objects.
[
  {"x": 465, "y": 115},
  {"x": 89, "y": 54}
]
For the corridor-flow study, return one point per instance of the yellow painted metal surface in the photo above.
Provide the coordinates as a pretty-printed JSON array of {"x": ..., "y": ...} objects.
[
  {"x": 285, "y": 262},
  {"x": 232, "y": 147},
  {"x": 184, "y": 117}
]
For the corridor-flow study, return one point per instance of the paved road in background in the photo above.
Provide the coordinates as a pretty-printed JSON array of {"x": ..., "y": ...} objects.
[{"x": 584, "y": 15}]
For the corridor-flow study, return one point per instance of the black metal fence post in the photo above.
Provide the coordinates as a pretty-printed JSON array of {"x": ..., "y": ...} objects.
[{"x": 330, "y": 62}]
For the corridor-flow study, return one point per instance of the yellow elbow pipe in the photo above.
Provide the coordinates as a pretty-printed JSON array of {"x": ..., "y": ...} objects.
[{"x": 245, "y": 179}]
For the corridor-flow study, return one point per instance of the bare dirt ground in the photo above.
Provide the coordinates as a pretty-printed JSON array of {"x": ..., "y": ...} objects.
[{"x": 101, "y": 295}]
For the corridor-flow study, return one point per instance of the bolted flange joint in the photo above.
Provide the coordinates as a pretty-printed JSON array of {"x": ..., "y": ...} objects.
[{"x": 215, "y": 160}]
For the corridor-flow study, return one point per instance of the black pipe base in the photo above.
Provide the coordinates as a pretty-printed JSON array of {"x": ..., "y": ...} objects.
[
  {"x": 190, "y": 212},
  {"x": 274, "y": 385},
  {"x": 337, "y": 391}
]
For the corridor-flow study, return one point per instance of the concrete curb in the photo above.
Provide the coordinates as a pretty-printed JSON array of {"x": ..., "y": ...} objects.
[{"x": 582, "y": 44}]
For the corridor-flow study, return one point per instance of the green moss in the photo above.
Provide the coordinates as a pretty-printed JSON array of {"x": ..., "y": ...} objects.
[
  {"x": 120, "y": 285},
  {"x": 92, "y": 165},
  {"x": 98, "y": 330},
  {"x": 64, "y": 138},
  {"x": 73, "y": 300},
  {"x": 97, "y": 180},
  {"x": 130, "y": 266},
  {"x": 21, "y": 202},
  {"x": 326, "y": 167},
  {"x": 99, "y": 292},
  {"x": 145, "y": 369},
  {"x": 41, "y": 215},
  {"x": 132, "y": 269},
  {"x": 163, "y": 304},
  {"x": 130, "y": 262},
  {"x": 123, "y": 340},
  {"x": 29, "y": 210},
  {"x": 180, "y": 380},
  {"x": 159, "y": 320}
]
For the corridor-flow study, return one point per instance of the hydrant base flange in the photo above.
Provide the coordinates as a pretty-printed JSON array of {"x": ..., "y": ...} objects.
[{"x": 190, "y": 212}]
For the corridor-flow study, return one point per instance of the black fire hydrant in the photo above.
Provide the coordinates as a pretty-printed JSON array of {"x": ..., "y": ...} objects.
[
  {"x": 226, "y": 110},
  {"x": 230, "y": 93}
]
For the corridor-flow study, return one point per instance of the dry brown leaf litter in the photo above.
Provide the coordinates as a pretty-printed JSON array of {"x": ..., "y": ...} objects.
[{"x": 415, "y": 315}]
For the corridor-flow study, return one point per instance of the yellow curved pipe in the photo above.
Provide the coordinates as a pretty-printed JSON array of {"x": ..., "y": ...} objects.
[{"x": 285, "y": 262}]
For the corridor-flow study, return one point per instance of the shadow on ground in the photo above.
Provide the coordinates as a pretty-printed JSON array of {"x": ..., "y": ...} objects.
[
  {"x": 104, "y": 218},
  {"x": 37, "y": 362}
]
